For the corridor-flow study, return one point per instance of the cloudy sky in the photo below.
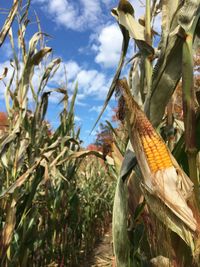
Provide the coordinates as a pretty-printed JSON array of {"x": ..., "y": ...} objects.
[{"x": 87, "y": 38}]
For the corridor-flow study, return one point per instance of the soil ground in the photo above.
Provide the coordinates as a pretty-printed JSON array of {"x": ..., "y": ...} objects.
[{"x": 102, "y": 255}]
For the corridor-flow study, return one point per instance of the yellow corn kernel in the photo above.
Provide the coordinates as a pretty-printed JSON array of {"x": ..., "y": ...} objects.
[{"x": 156, "y": 152}]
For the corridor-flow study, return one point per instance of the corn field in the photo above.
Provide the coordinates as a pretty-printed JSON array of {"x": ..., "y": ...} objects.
[
  {"x": 53, "y": 205},
  {"x": 57, "y": 198}
]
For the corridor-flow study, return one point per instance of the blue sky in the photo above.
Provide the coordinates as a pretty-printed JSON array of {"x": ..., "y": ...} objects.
[{"x": 88, "y": 40}]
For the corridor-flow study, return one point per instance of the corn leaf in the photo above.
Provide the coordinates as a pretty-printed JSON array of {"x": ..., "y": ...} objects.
[
  {"x": 7, "y": 233},
  {"x": 4, "y": 74},
  {"x": 121, "y": 241},
  {"x": 167, "y": 71},
  {"x": 36, "y": 59},
  {"x": 169, "y": 9},
  {"x": 168, "y": 218},
  {"x": 52, "y": 67},
  {"x": 135, "y": 29},
  {"x": 9, "y": 21},
  {"x": 20, "y": 181},
  {"x": 118, "y": 72}
]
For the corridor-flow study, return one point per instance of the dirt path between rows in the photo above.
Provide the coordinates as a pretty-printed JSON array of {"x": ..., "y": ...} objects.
[{"x": 103, "y": 252}]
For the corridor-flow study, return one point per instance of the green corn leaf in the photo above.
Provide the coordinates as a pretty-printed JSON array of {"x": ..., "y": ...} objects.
[
  {"x": 167, "y": 72},
  {"x": 122, "y": 245},
  {"x": 117, "y": 74},
  {"x": 20, "y": 181}
]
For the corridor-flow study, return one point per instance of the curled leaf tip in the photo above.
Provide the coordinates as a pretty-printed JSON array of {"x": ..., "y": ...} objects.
[
  {"x": 114, "y": 12},
  {"x": 126, "y": 7}
]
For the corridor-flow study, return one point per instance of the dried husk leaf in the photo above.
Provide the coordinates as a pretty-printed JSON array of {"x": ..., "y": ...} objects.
[
  {"x": 9, "y": 21},
  {"x": 170, "y": 192},
  {"x": 135, "y": 29},
  {"x": 8, "y": 229},
  {"x": 4, "y": 74},
  {"x": 164, "y": 214}
]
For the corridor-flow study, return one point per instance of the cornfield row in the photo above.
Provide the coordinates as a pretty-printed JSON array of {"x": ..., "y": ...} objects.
[
  {"x": 54, "y": 202},
  {"x": 56, "y": 197}
]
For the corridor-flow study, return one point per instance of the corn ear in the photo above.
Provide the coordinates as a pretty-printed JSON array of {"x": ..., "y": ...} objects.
[{"x": 160, "y": 175}]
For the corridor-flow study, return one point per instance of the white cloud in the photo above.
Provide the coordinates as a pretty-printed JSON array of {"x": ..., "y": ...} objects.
[
  {"x": 108, "y": 2},
  {"x": 69, "y": 69},
  {"x": 158, "y": 23},
  {"x": 77, "y": 119},
  {"x": 80, "y": 100},
  {"x": 139, "y": 8},
  {"x": 7, "y": 50},
  {"x": 91, "y": 83},
  {"x": 108, "y": 46},
  {"x": 91, "y": 11},
  {"x": 83, "y": 14},
  {"x": 96, "y": 109},
  {"x": 39, "y": 1},
  {"x": 75, "y": 15}
]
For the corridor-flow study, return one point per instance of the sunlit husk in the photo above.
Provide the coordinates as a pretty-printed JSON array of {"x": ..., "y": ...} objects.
[
  {"x": 167, "y": 184},
  {"x": 167, "y": 189}
]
